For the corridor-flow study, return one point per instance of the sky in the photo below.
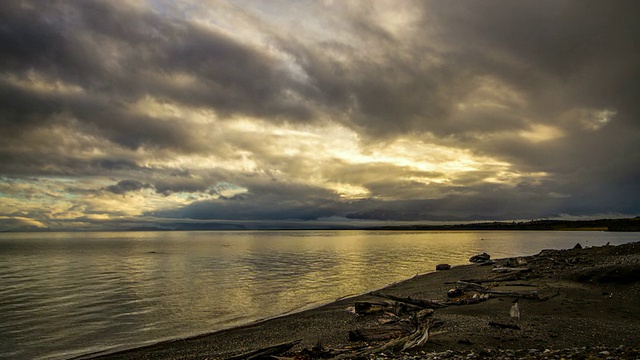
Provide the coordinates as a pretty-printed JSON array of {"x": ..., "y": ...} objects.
[{"x": 259, "y": 114}]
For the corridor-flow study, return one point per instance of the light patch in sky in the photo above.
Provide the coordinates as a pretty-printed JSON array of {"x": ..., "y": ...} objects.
[
  {"x": 589, "y": 119},
  {"x": 395, "y": 17},
  {"x": 513, "y": 178},
  {"x": 164, "y": 109},
  {"x": 490, "y": 92},
  {"x": 348, "y": 191},
  {"x": 227, "y": 190},
  {"x": 539, "y": 133},
  {"x": 39, "y": 83}
]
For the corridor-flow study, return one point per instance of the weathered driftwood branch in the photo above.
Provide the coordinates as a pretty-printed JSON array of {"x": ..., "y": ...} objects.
[
  {"x": 475, "y": 299},
  {"x": 374, "y": 307},
  {"x": 417, "y": 338},
  {"x": 391, "y": 328},
  {"x": 371, "y": 307},
  {"x": 487, "y": 280},
  {"x": 510, "y": 270},
  {"x": 267, "y": 351},
  {"x": 425, "y": 304},
  {"x": 467, "y": 286}
]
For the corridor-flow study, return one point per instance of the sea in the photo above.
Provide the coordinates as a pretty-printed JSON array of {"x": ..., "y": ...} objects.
[{"x": 64, "y": 295}]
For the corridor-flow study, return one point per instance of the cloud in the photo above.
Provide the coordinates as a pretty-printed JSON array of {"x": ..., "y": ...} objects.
[
  {"x": 125, "y": 186},
  {"x": 17, "y": 223},
  {"x": 132, "y": 111}
]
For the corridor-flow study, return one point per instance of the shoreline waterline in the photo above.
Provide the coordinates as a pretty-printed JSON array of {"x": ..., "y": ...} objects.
[{"x": 124, "y": 349}]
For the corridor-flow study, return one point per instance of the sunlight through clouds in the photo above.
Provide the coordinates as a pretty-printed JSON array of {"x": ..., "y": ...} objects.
[{"x": 153, "y": 112}]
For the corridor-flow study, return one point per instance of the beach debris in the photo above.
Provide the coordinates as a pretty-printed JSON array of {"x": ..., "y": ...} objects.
[
  {"x": 422, "y": 324},
  {"x": 497, "y": 278},
  {"x": 379, "y": 333},
  {"x": 266, "y": 351},
  {"x": 480, "y": 258},
  {"x": 504, "y": 326},
  {"x": 443, "y": 267},
  {"x": 510, "y": 270},
  {"x": 419, "y": 337},
  {"x": 467, "y": 293},
  {"x": 468, "y": 299},
  {"x": 515, "y": 311},
  {"x": 517, "y": 262},
  {"x": 486, "y": 263},
  {"x": 395, "y": 308},
  {"x": 425, "y": 304},
  {"x": 469, "y": 286},
  {"x": 368, "y": 307}
]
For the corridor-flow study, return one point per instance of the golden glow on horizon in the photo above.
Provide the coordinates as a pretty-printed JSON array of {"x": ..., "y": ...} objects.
[{"x": 24, "y": 220}]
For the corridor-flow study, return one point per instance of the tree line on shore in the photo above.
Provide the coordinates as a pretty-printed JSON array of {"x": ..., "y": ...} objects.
[{"x": 628, "y": 224}]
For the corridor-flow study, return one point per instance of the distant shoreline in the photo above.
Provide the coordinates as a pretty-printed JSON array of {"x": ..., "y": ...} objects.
[
  {"x": 615, "y": 225},
  {"x": 628, "y": 224}
]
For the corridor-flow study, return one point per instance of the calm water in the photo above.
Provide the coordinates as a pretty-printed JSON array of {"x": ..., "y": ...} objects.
[{"x": 66, "y": 294}]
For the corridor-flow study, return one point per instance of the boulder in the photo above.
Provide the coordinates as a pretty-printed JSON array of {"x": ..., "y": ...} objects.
[
  {"x": 443, "y": 267},
  {"x": 480, "y": 258}
]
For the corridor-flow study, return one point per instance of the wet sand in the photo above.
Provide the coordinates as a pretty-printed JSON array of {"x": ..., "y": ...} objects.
[{"x": 591, "y": 297}]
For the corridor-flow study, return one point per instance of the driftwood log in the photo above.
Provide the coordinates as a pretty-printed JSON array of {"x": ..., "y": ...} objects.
[
  {"x": 425, "y": 304},
  {"x": 467, "y": 286},
  {"x": 266, "y": 351},
  {"x": 510, "y": 270},
  {"x": 468, "y": 300},
  {"x": 488, "y": 280},
  {"x": 371, "y": 307},
  {"x": 418, "y": 337}
]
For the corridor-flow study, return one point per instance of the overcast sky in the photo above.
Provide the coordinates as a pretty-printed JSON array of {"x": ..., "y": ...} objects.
[{"x": 127, "y": 113}]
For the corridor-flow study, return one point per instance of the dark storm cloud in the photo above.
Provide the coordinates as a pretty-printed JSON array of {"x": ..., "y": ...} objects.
[
  {"x": 127, "y": 53},
  {"x": 125, "y": 186},
  {"x": 116, "y": 55},
  {"x": 558, "y": 55},
  {"x": 269, "y": 201},
  {"x": 185, "y": 184}
]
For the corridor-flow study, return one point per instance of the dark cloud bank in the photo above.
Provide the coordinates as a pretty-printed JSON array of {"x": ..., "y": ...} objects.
[{"x": 550, "y": 88}]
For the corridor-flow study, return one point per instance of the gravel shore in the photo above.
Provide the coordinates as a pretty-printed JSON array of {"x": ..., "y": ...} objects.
[{"x": 587, "y": 306}]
